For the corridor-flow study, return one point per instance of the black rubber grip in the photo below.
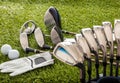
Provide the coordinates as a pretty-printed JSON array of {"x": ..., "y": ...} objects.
[{"x": 32, "y": 50}]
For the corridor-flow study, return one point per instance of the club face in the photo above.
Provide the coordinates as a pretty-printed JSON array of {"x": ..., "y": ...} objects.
[
  {"x": 98, "y": 30},
  {"x": 39, "y": 37},
  {"x": 83, "y": 43},
  {"x": 117, "y": 29},
  {"x": 28, "y": 27},
  {"x": 89, "y": 36},
  {"x": 24, "y": 41},
  {"x": 107, "y": 27},
  {"x": 52, "y": 18},
  {"x": 56, "y": 37},
  {"x": 64, "y": 53}
]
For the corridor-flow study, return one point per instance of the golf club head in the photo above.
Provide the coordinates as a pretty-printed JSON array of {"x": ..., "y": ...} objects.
[
  {"x": 24, "y": 41},
  {"x": 52, "y": 18},
  {"x": 28, "y": 27},
  {"x": 107, "y": 27},
  {"x": 117, "y": 30},
  {"x": 100, "y": 36},
  {"x": 83, "y": 43},
  {"x": 39, "y": 36},
  {"x": 89, "y": 36},
  {"x": 56, "y": 37},
  {"x": 68, "y": 53},
  {"x": 117, "y": 35}
]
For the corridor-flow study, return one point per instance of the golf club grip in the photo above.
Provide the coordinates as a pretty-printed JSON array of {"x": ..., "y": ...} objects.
[
  {"x": 104, "y": 68},
  {"x": 111, "y": 66},
  {"x": 96, "y": 63},
  {"x": 104, "y": 65},
  {"x": 32, "y": 50},
  {"x": 117, "y": 65},
  {"x": 82, "y": 74}
]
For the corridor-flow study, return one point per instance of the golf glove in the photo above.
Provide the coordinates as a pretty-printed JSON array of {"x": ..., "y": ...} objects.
[{"x": 22, "y": 65}]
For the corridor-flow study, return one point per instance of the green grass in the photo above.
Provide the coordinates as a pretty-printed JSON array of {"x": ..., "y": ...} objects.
[{"x": 75, "y": 15}]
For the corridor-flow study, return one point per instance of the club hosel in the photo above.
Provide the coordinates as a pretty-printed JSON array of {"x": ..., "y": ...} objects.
[
  {"x": 118, "y": 50},
  {"x": 89, "y": 63},
  {"x": 96, "y": 57},
  {"x": 111, "y": 59},
  {"x": 104, "y": 53},
  {"x": 47, "y": 47}
]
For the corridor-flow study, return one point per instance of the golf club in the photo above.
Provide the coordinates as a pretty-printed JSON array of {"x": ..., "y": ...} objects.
[
  {"x": 100, "y": 36},
  {"x": 72, "y": 54},
  {"x": 117, "y": 38},
  {"x": 107, "y": 27},
  {"x": 87, "y": 55},
  {"x": 89, "y": 36},
  {"x": 52, "y": 18},
  {"x": 55, "y": 36},
  {"x": 26, "y": 30}
]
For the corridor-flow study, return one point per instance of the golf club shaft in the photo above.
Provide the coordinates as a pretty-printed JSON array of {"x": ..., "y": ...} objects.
[
  {"x": 117, "y": 57},
  {"x": 89, "y": 69},
  {"x": 96, "y": 63},
  {"x": 104, "y": 60},
  {"x": 111, "y": 66},
  {"x": 68, "y": 32},
  {"x": 111, "y": 57},
  {"x": 117, "y": 65},
  {"x": 81, "y": 66}
]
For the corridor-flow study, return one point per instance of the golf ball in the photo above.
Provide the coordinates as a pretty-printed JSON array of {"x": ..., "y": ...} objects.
[
  {"x": 13, "y": 54},
  {"x": 5, "y": 49}
]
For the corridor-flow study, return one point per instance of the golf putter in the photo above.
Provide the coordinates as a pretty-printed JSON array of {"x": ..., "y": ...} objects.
[
  {"x": 107, "y": 27},
  {"x": 117, "y": 38},
  {"x": 83, "y": 43},
  {"x": 100, "y": 36},
  {"x": 71, "y": 54},
  {"x": 52, "y": 18},
  {"x": 89, "y": 36}
]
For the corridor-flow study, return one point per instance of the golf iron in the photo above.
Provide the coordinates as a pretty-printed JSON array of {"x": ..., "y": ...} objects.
[
  {"x": 72, "y": 54},
  {"x": 87, "y": 54},
  {"x": 107, "y": 27},
  {"x": 117, "y": 38},
  {"x": 89, "y": 36},
  {"x": 100, "y": 36}
]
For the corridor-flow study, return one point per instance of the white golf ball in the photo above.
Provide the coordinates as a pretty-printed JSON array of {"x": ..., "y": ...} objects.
[
  {"x": 13, "y": 54},
  {"x": 5, "y": 49}
]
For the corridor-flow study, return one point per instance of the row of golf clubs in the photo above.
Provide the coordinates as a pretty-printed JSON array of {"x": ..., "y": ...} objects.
[
  {"x": 102, "y": 36},
  {"x": 86, "y": 40}
]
